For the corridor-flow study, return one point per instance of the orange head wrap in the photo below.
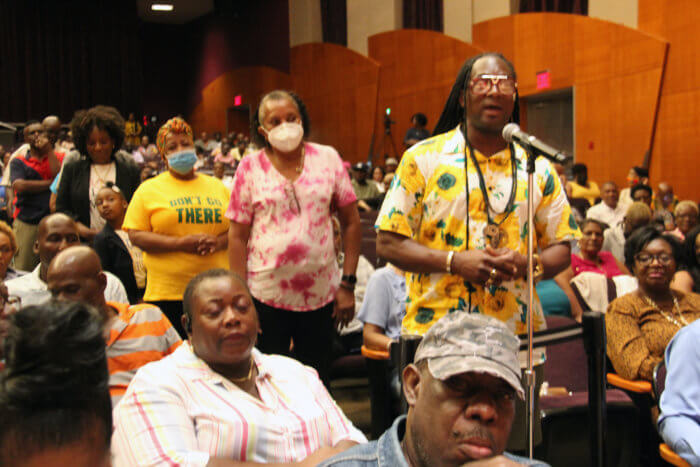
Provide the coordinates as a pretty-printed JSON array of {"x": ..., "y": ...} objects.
[{"x": 174, "y": 125}]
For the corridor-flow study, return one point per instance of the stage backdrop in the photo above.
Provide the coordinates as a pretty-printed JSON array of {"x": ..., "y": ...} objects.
[
  {"x": 251, "y": 83},
  {"x": 675, "y": 154},
  {"x": 616, "y": 73},
  {"x": 339, "y": 88},
  {"x": 418, "y": 68}
]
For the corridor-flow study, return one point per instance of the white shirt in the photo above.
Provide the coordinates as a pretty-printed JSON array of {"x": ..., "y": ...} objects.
[
  {"x": 177, "y": 411},
  {"x": 604, "y": 213},
  {"x": 614, "y": 242},
  {"x": 100, "y": 174},
  {"x": 33, "y": 291}
]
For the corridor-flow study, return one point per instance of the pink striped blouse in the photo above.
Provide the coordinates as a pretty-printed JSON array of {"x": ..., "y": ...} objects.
[{"x": 177, "y": 411}]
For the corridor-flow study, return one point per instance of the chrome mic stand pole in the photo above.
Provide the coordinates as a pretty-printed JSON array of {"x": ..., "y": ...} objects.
[{"x": 529, "y": 375}]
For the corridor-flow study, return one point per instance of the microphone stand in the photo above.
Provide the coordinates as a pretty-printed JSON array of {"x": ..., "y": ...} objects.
[{"x": 529, "y": 375}]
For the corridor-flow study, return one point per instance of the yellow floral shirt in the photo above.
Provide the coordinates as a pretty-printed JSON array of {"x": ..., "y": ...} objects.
[{"x": 427, "y": 202}]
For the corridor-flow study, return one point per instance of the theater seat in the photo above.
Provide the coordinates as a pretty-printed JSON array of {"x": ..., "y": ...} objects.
[
  {"x": 383, "y": 405},
  {"x": 565, "y": 419},
  {"x": 671, "y": 457}
]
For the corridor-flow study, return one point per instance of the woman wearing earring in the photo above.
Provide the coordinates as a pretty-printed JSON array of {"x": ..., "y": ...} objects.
[
  {"x": 281, "y": 237},
  {"x": 98, "y": 134},
  {"x": 640, "y": 325}
]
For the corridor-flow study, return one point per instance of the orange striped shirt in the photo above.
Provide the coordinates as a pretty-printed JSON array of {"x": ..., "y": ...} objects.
[{"x": 139, "y": 334}]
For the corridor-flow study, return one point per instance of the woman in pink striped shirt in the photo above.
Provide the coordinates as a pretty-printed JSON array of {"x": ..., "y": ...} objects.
[{"x": 218, "y": 401}]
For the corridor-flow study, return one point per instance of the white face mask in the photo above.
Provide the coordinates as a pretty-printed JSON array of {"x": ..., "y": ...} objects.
[{"x": 286, "y": 136}]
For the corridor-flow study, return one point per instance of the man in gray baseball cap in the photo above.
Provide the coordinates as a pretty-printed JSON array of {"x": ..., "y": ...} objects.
[{"x": 461, "y": 392}]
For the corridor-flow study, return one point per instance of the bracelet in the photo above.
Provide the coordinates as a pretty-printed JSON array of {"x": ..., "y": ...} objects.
[
  {"x": 448, "y": 262},
  {"x": 537, "y": 268},
  {"x": 347, "y": 286}
]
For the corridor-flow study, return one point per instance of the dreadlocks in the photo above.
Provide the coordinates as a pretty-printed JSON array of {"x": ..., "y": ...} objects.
[{"x": 453, "y": 112}]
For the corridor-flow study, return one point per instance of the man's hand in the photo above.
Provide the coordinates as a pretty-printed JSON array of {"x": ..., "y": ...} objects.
[
  {"x": 517, "y": 261},
  {"x": 477, "y": 265},
  {"x": 344, "y": 307}
]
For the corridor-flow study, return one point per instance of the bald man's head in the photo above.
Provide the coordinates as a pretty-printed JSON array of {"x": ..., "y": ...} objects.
[
  {"x": 52, "y": 125},
  {"x": 665, "y": 194},
  {"x": 76, "y": 274},
  {"x": 55, "y": 232}
]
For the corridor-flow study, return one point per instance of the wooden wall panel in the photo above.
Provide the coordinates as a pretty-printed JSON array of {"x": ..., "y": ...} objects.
[
  {"x": 339, "y": 88},
  {"x": 250, "y": 82},
  {"x": 677, "y": 139},
  {"x": 615, "y": 71},
  {"x": 418, "y": 68}
]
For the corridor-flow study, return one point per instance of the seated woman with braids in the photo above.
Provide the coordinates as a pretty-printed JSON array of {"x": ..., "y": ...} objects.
[
  {"x": 54, "y": 396},
  {"x": 640, "y": 325}
]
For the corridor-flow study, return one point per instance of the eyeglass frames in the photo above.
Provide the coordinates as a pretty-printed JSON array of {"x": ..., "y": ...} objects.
[{"x": 482, "y": 84}]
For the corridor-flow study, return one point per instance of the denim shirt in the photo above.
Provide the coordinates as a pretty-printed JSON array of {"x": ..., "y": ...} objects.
[{"x": 386, "y": 451}]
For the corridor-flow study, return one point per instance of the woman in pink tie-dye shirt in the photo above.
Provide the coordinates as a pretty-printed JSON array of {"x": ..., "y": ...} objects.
[{"x": 281, "y": 235}]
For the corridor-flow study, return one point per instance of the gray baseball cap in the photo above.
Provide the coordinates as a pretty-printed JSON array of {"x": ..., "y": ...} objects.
[{"x": 470, "y": 342}]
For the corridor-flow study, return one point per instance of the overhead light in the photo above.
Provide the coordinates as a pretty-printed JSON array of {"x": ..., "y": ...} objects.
[{"x": 162, "y": 7}]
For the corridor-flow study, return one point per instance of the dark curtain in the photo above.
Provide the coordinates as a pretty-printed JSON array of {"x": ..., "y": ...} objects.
[
  {"x": 423, "y": 14},
  {"x": 578, "y": 7},
  {"x": 60, "y": 56},
  {"x": 334, "y": 21}
]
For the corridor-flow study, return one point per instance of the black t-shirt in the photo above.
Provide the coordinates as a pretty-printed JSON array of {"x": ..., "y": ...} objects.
[
  {"x": 31, "y": 207},
  {"x": 416, "y": 133}
]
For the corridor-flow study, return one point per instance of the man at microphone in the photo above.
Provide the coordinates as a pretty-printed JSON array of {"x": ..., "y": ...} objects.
[{"x": 455, "y": 216}]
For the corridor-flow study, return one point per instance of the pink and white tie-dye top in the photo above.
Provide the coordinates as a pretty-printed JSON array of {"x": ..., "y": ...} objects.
[{"x": 291, "y": 258}]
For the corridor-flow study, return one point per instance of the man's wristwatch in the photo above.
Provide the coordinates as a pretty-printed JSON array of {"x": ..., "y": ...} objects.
[{"x": 348, "y": 281}]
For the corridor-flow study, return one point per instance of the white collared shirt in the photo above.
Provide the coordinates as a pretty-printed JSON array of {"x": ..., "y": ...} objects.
[
  {"x": 604, "y": 213},
  {"x": 33, "y": 291},
  {"x": 178, "y": 411}
]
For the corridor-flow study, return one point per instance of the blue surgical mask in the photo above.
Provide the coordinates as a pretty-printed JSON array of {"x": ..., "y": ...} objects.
[{"x": 183, "y": 161}]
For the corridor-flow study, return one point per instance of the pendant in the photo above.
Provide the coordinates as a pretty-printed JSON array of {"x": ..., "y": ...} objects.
[{"x": 495, "y": 236}]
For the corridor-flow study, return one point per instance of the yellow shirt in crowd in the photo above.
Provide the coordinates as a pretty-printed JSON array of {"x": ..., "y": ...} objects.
[
  {"x": 170, "y": 206},
  {"x": 427, "y": 202},
  {"x": 591, "y": 192}
]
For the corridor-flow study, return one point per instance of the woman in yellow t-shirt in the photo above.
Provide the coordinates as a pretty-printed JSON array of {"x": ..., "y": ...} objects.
[
  {"x": 581, "y": 187},
  {"x": 177, "y": 219}
]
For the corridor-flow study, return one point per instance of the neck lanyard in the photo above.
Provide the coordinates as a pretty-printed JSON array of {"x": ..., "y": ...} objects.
[{"x": 492, "y": 231}]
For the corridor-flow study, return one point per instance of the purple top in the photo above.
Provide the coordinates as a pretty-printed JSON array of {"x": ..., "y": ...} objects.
[{"x": 608, "y": 265}]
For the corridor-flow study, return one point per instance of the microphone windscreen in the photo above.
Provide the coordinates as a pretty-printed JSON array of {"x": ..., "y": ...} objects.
[{"x": 509, "y": 130}]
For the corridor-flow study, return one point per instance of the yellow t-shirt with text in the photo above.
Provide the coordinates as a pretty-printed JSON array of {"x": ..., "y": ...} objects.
[{"x": 170, "y": 206}]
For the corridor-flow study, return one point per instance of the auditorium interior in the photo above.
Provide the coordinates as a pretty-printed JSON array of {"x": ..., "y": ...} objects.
[{"x": 614, "y": 85}]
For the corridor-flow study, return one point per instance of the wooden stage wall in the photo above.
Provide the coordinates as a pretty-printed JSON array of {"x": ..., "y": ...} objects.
[
  {"x": 620, "y": 88},
  {"x": 615, "y": 71},
  {"x": 418, "y": 68},
  {"x": 249, "y": 82},
  {"x": 676, "y": 154},
  {"x": 339, "y": 88}
]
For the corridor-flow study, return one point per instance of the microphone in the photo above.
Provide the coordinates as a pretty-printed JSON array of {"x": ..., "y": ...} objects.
[{"x": 512, "y": 133}]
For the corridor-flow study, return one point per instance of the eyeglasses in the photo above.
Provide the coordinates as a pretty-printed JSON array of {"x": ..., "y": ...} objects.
[
  {"x": 646, "y": 258},
  {"x": 482, "y": 84},
  {"x": 292, "y": 197}
]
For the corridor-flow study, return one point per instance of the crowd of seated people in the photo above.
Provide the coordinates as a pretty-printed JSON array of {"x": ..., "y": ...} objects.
[{"x": 145, "y": 233}]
